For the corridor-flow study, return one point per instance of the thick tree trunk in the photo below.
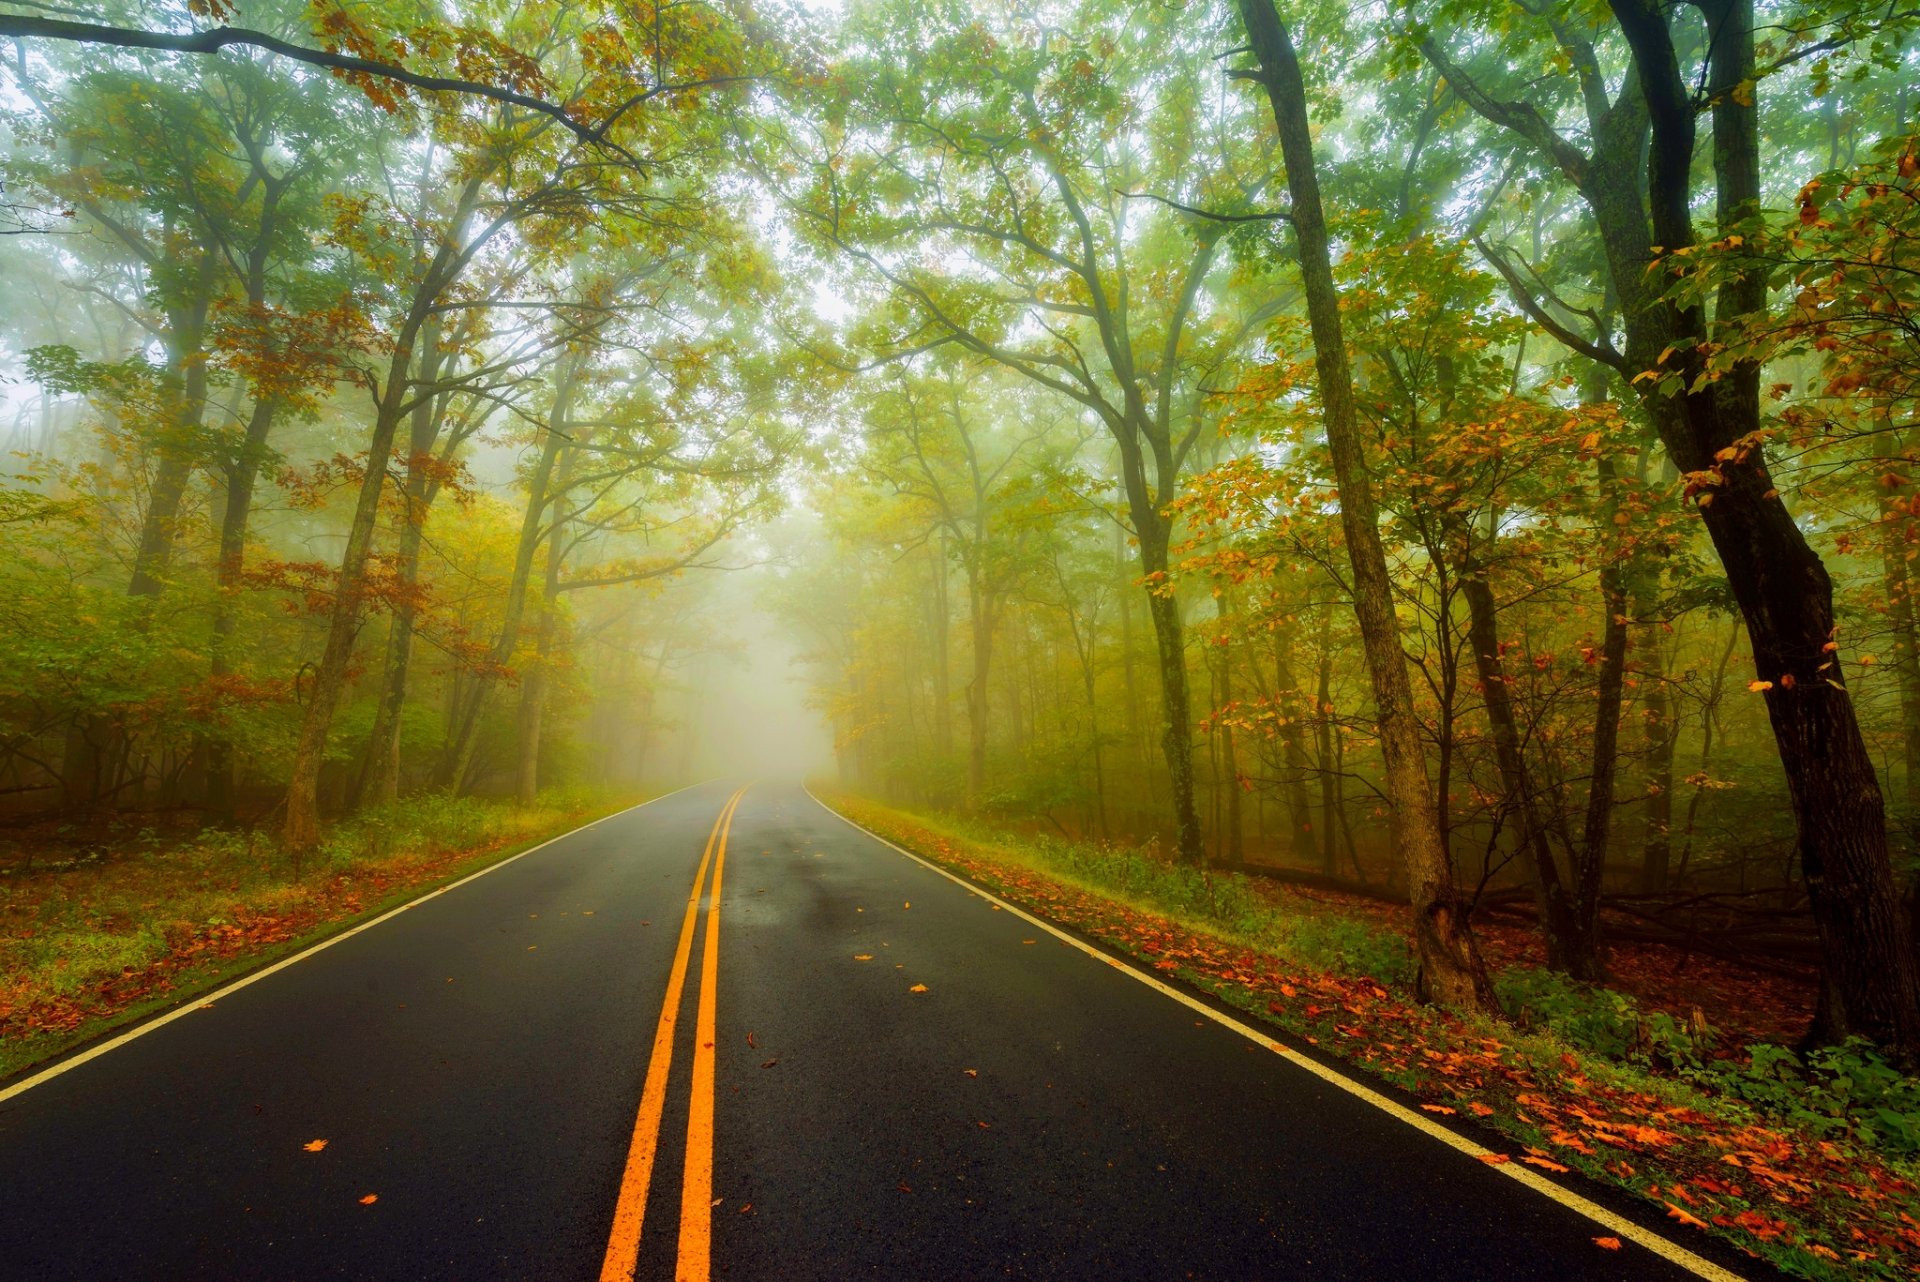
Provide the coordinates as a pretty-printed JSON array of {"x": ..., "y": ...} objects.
[
  {"x": 1451, "y": 970},
  {"x": 1176, "y": 730},
  {"x": 302, "y": 829},
  {"x": 1871, "y": 979}
]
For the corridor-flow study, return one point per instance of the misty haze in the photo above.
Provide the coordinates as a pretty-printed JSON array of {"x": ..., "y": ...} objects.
[{"x": 950, "y": 639}]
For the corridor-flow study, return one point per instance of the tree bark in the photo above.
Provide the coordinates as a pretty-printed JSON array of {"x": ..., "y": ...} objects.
[
  {"x": 1289, "y": 703},
  {"x": 1451, "y": 970},
  {"x": 243, "y": 476},
  {"x": 1871, "y": 983},
  {"x": 1552, "y": 901}
]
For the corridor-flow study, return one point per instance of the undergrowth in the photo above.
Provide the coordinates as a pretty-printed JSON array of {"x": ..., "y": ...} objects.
[
  {"x": 1809, "y": 1162},
  {"x": 147, "y": 919}
]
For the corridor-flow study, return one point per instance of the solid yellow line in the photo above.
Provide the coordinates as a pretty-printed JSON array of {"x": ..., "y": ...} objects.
[
  {"x": 623, "y": 1243},
  {"x": 696, "y": 1191}
]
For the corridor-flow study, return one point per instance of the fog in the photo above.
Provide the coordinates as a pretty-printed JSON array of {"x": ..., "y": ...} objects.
[{"x": 744, "y": 702}]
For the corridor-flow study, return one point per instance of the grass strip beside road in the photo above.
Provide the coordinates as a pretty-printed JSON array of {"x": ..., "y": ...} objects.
[
  {"x": 86, "y": 951},
  {"x": 1817, "y": 1207}
]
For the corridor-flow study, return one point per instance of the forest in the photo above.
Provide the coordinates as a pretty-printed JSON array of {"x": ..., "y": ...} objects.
[{"x": 1459, "y": 459}]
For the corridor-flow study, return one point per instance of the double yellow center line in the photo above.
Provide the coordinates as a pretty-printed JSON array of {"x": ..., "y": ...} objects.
[{"x": 696, "y": 1190}]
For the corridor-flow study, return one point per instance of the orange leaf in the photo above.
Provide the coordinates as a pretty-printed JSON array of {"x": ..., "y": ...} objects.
[
  {"x": 1607, "y": 1243},
  {"x": 1495, "y": 1159},
  {"x": 1676, "y": 1213},
  {"x": 918, "y": 988},
  {"x": 1480, "y": 1110},
  {"x": 369, "y": 1199},
  {"x": 1435, "y": 1108},
  {"x": 1544, "y": 1164},
  {"x": 314, "y": 1146},
  {"x": 863, "y": 956}
]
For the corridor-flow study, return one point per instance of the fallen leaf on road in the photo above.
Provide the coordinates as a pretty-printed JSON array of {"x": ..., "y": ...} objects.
[
  {"x": 1607, "y": 1243},
  {"x": 1674, "y": 1212},
  {"x": 918, "y": 988},
  {"x": 718, "y": 1200},
  {"x": 972, "y": 1072},
  {"x": 744, "y": 1208},
  {"x": 770, "y": 1063},
  {"x": 906, "y": 905},
  {"x": 751, "y": 1044},
  {"x": 314, "y": 1146},
  {"x": 903, "y": 1187},
  {"x": 1027, "y": 941},
  {"x": 985, "y": 1126},
  {"x": 1435, "y": 1108},
  {"x": 369, "y": 1199},
  {"x": 863, "y": 956},
  {"x": 1495, "y": 1159},
  {"x": 1545, "y": 1164},
  {"x": 531, "y": 947}
]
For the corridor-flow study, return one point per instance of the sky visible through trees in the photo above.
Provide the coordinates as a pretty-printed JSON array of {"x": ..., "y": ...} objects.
[{"x": 1463, "y": 450}]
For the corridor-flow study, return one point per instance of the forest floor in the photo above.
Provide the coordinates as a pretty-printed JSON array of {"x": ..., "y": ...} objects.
[
  {"x": 1811, "y": 1166},
  {"x": 102, "y": 926}
]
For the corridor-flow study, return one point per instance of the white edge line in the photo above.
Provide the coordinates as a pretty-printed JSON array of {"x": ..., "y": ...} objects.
[
  {"x": 1665, "y": 1248},
  {"x": 206, "y": 999}
]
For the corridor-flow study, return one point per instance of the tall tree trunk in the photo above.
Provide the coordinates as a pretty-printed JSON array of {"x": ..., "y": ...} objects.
[
  {"x": 1163, "y": 609},
  {"x": 1896, "y": 577},
  {"x": 939, "y": 626},
  {"x": 1288, "y": 703},
  {"x": 1871, "y": 980},
  {"x": 302, "y": 829},
  {"x": 1551, "y": 899},
  {"x": 1657, "y": 739},
  {"x": 243, "y": 475},
  {"x": 1330, "y": 803},
  {"x": 1235, "y": 836},
  {"x": 980, "y": 624},
  {"x": 379, "y": 781},
  {"x": 536, "y": 681},
  {"x": 1451, "y": 970},
  {"x": 93, "y": 750},
  {"x": 456, "y": 760},
  {"x": 1589, "y": 958}
]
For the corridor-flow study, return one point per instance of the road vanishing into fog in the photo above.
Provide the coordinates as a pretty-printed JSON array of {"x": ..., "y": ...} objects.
[{"x": 574, "y": 1067}]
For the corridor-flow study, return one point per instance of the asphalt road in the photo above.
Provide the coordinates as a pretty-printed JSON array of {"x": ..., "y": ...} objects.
[{"x": 477, "y": 1066}]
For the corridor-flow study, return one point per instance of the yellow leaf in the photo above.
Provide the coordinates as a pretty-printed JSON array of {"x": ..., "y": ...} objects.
[
  {"x": 1755, "y": 687},
  {"x": 863, "y": 956},
  {"x": 918, "y": 988}
]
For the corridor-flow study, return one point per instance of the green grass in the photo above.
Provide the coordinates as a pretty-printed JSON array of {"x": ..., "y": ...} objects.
[{"x": 92, "y": 947}]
